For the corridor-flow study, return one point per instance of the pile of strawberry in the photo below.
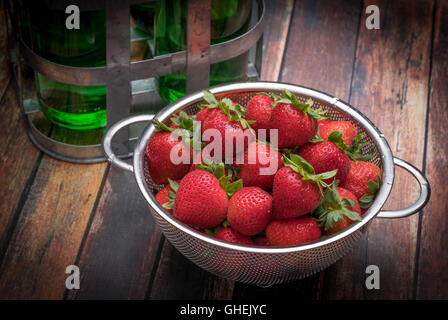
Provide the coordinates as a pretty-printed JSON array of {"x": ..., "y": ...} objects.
[{"x": 322, "y": 181}]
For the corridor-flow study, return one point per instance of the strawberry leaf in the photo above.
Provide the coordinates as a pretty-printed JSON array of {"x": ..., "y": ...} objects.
[
  {"x": 233, "y": 187},
  {"x": 209, "y": 97},
  {"x": 306, "y": 170},
  {"x": 348, "y": 203},
  {"x": 161, "y": 126},
  {"x": 306, "y": 108},
  {"x": 171, "y": 195},
  {"x": 182, "y": 120},
  {"x": 334, "y": 209},
  {"x": 213, "y": 231},
  {"x": 354, "y": 151},
  {"x": 168, "y": 205},
  {"x": 173, "y": 184},
  {"x": 317, "y": 138},
  {"x": 366, "y": 200}
]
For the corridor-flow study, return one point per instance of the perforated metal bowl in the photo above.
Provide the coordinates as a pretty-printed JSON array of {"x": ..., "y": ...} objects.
[{"x": 265, "y": 266}]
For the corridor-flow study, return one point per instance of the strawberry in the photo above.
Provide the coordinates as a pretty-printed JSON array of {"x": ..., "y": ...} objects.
[
  {"x": 163, "y": 196},
  {"x": 348, "y": 131},
  {"x": 363, "y": 180},
  {"x": 296, "y": 189},
  {"x": 203, "y": 114},
  {"x": 230, "y": 235},
  {"x": 321, "y": 123},
  {"x": 296, "y": 122},
  {"x": 158, "y": 155},
  {"x": 338, "y": 210},
  {"x": 259, "y": 109},
  {"x": 326, "y": 156},
  {"x": 294, "y": 127},
  {"x": 228, "y": 120},
  {"x": 292, "y": 232},
  {"x": 261, "y": 163},
  {"x": 200, "y": 201},
  {"x": 249, "y": 210},
  {"x": 261, "y": 241}
]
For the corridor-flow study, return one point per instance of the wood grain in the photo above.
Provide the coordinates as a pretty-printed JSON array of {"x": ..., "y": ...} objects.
[
  {"x": 278, "y": 19},
  {"x": 5, "y": 74},
  {"x": 122, "y": 243},
  {"x": 321, "y": 45},
  {"x": 18, "y": 159},
  {"x": 390, "y": 86},
  {"x": 433, "y": 263},
  {"x": 50, "y": 229},
  {"x": 322, "y": 36}
]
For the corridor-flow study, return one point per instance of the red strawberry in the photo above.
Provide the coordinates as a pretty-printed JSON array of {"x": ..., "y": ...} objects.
[
  {"x": 249, "y": 210},
  {"x": 200, "y": 201},
  {"x": 230, "y": 132},
  {"x": 321, "y": 123},
  {"x": 158, "y": 150},
  {"x": 261, "y": 241},
  {"x": 358, "y": 177},
  {"x": 295, "y": 121},
  {"x": 162, "y": 196},
  {"x": 227, "y": 119},
  {"x": 363, "y": 180},
  {"x": 341, "y": 225},
  {"x": 338, "y": 210},
  {"x": 261, "y": 163},
  {"x": 203, "y": 114},
  {"x": 326, "y": 156},
  {"x": 294, "y": 127},
  {"x": 293, "y": 196},
  {"x": 346, "y": 128},
  {"x": 292, "y": 232},
  {"x": 259, "y": 109},
  {"x": 230, "y": 235}
]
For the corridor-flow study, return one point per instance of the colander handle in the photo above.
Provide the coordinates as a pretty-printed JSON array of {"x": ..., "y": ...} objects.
[
  {"x": 108, "y": 136},
  {"x": 425, "y": 192}
]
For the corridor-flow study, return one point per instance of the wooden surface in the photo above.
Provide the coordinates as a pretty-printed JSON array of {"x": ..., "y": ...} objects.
[{"x": 54, "y": 214}]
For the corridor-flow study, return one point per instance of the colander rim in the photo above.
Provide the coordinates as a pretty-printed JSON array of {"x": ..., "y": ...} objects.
[{"x": 363, "y": 121}]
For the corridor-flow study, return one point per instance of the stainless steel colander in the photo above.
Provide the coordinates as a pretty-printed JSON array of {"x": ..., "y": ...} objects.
[{"x": 265, "y": 266}]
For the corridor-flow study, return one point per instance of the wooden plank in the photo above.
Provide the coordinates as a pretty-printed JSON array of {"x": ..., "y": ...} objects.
[
  {"x": 18, "y": 162},
  {"x": 321, "y": 45},
  {"x": 5, "y": 73},
  {"x": 322, "y": 36},
  {"x": 433, "y": 265},
  {"x": 278, "y": 19},
  {"x": 186, "y": 280},
  {"x": 176, "y": 276},
  {"x": 390, "y": 87},
  {"x": 50, "y": 230},
  {"x": 121, "y": 246}
]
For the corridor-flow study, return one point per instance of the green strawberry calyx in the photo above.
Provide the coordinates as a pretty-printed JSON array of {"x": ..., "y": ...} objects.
[
  {"x": 354, "y": 151},
  {"x": 317, "y": 138},
  {"x": 185, "y": 130},
  {"x": 234, "y": 112},
  {"x": 334, "y": 209},
  {"x": 306, "y": 170},
  {"x": 219, "y": 171},
  {"x": 213, "y": 231},
  {"x": 366, "y": 200},
  {"x": 306, "y": 108},
  {"x": 171, "y": 195}
]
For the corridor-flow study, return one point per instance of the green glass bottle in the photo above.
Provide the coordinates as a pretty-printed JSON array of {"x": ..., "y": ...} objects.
[
  {"x": 229, "y": 19},
  {"x": 43, "y": 29}
]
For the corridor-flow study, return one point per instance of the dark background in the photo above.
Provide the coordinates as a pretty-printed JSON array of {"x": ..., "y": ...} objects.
[{"x": 54, "y": 214}]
